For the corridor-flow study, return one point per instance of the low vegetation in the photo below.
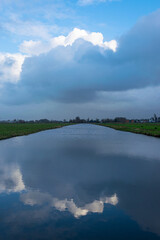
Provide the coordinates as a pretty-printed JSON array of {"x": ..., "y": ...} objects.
[
  {"x": 150, "y": 129},
  {"x": 8, "y": 130}
]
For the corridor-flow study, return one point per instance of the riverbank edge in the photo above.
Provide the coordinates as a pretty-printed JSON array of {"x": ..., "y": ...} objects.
[
  {"x": 33, "y": 131},
  {"x": 120, "y": 127},
  {"x": 124, "y": 129}
]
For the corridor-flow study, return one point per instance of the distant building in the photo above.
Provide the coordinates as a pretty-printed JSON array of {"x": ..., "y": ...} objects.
[{"x": 120, "y": 119}]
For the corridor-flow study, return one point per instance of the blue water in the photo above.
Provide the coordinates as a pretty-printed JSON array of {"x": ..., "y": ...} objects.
[{"x": 80, "y": 182}]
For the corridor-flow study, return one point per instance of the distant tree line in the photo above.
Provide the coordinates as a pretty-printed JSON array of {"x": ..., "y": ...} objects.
[
  {"x": 45, "y": 120},
  {"x": 153, "y": 119},
  {"x": 77, "y": 119}
]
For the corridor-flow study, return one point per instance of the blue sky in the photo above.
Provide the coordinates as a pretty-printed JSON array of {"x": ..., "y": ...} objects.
[
  {"x": 112, "y": 18},
  {"x": 88, "y": 57}
]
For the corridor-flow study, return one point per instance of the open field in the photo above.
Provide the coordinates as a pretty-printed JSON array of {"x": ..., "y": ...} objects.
[
  {"x": 150, "y": 129},
  {"x": 8, "y": 130}
]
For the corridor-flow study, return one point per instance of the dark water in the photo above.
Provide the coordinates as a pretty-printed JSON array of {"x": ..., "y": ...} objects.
[{"x": 80, "y": 182}]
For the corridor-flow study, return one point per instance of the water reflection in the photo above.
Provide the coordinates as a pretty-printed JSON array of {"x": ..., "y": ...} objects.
[
  {"x": 10, "y": 178},
  {"x": 81, "y": 171},
  {"x": 36, "y": 198}
]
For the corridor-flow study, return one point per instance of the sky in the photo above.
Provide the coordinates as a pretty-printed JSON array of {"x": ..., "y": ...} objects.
[{"x": 90, "y": 58}]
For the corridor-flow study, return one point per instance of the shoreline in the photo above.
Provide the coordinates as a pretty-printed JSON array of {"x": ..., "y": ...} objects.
[
  {"x": 148, "y": 129},
  {"x": 10, "y": 130}
]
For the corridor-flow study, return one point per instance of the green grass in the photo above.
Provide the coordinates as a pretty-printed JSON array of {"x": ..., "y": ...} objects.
[
  {"x": 150, "y": 129},
  {"x": 8, "y": 130}
]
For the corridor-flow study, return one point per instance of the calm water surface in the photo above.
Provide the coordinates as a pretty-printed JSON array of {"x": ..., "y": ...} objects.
[{"x": 80, "y": 182}]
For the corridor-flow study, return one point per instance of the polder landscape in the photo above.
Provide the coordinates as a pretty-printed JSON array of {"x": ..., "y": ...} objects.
[
  {"x": 21, "y": 127},
  {"x": 79, "y": 120},
  {"x": 150, "y": 129},
  {"x": 63, "y": 182}
]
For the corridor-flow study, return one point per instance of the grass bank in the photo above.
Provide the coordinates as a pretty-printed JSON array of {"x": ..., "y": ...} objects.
[
  {"x": 150, "y": 129},
  {"x": 8, "y": 130}
]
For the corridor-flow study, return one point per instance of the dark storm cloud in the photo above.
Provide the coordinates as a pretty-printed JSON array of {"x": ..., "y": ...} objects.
[{"x": 76, "y": 73}]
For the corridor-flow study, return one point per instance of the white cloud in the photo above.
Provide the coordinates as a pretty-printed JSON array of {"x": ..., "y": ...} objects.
[
  {"x": 11, "y": 64},
  {"x": 89, "y": 2},
  {"x": 33, "y": 47},
  {"x": 76, "y": 67},
  {"x": 28, "y": 28},
  {"x": 10, "y": 67},
  {"x": 38, "y": 47},
  {"x": 96, "y": 38},
  {"x": 75, "y": 70}
]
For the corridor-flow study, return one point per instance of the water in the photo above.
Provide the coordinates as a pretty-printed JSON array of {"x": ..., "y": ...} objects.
[{"x": 80, "y": 182}]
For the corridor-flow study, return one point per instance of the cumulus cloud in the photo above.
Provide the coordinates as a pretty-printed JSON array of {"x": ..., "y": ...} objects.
[
  {"x": 77, "y": 67},
  {"x": 38, "y": 47},
  {"x": 38, "y": 198},
  {"x": 10, "y": 67}
]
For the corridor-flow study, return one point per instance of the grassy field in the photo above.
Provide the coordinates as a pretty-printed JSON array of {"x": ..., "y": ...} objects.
[
  {"x": 8, "y": 130},
  {"x": 150, "y": 129}
]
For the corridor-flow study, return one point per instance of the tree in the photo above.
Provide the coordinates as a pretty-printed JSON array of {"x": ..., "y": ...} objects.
[{"x": 155, "y": 118}]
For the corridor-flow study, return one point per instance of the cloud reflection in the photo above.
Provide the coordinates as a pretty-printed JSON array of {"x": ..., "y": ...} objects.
[
  {"x": 37, "y": 198},
  {"x": 78, "y": 165},
  {"x": 11, "y": 179}
]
